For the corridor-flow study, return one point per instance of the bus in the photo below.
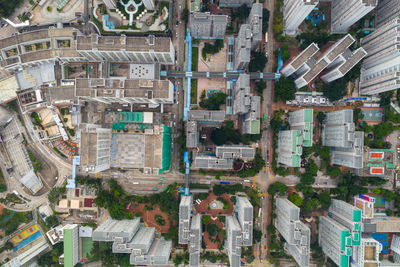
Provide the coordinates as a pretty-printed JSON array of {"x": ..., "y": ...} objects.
[
  {"x": 162, "y": 179},
  {"x": 154, "y": 189}
]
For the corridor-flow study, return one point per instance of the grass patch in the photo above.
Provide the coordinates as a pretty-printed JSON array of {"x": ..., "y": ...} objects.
[
  {"x": 195, "y": 58},
  {"x": 71, "y": 131},
  {"x": 193, "y": 92},
  {"x": 37, "y": 165},
  {"x": 3, "y": 185},
  {"x": 59, "y": 152},
  {"x": 36, "y": 119},
  {"x": 49, "y": 8},
  {"x": 42, "y": 224},
  {"x": 10, "y": 220}
]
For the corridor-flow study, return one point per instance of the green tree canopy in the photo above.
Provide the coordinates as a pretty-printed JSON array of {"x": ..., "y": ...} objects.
[
  {"x": 325, "y": 200},
  {"x": 284, "y": 89},
  {"x": 278, "y": 187},
  {"x": 257, "y": 61},
  {"x": 296, "y": 199},
  {"x": 212, "y": 102}
]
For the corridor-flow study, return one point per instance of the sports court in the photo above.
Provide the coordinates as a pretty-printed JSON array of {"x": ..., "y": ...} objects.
[
  {"x": 372, "y": 114},
  {"x": 26, "y": 236},
  {"x": 128, "y": 150}
]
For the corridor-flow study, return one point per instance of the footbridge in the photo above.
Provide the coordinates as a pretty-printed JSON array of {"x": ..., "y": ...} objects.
[{"x": 229, "y": 75}]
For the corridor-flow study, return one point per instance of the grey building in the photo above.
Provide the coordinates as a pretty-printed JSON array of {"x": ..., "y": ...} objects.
[
  {"x": 386, "y": 11},
  {"x": 206, "y": 116},
  {"x": 208, "y": 26},
  {"x": 255, "y": 21},
  {"x": 244, "y": 211},
  {"x": 234, "y": 240},
  {"x": 235, "y": 152},
  {"x": 294, "y": 13},
  {"x": 158, "y": 254},
  {"x": 235, "y": 3},
  {"x": 299, "y": 61},
  {"x": 139, "y": 245},
  {"x": 295, "y": 232},
  {"x": 185, "y": 211},
  {"x": 243, "y": 47},
  {"x": 116, "y": 230},
  {"x": 205, "y": 161},
  {"x": 339, "y": 132},
  {"x": 192, "y": 134},
  {"x": 290, "y": 147},
  {"x": 251, "y": 124},
  {"x": 195, "y": 241},
  {"x": 5, "y": 117},
  {"x": 241, "y": 98}
]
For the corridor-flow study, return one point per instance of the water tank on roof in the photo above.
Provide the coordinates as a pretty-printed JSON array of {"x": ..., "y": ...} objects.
[{"x": 5, "y": 116}]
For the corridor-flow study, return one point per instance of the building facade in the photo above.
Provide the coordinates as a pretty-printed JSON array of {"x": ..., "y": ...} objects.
[
  {"x": 208, "y": 26},
  {"x": 243, "y": 47},
  {"x": 234, "y": 240},
  {"x": 72, "y": 250},
  {"x": 235, "y": 3},
  {"x": 195, "y": 241},
  {"x": 294, "y": 13},
  {"x": 345, "y": 13},
  {"x": 255, "y": 21},
  {"x": 185, "y": 212},
  {"x": 244, "y": 211},
  {"x": 380, "y": 70},
  {"x": 386, "y": 11},
  {"x": 290, "y": 147}
]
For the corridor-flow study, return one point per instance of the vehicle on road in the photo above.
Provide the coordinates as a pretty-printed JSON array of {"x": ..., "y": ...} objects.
[
  {"x": 224, "y": 182},
  {"x": 154, "y": 189},
  {"x": 162, "y": 179}
]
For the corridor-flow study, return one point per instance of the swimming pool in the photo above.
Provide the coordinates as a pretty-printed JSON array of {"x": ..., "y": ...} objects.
[{"x": 27, "y": 240}]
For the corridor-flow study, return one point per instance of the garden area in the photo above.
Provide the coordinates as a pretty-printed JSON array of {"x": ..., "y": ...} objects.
[{"x": 11, "y": 220}]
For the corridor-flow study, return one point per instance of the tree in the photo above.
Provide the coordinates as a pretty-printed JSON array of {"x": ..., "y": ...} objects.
[
  {"x": 312, "y": 204},
  {"x": 333, "y": 171},
  {"x": 257, "y": 61},
  {"x": 335, "y": 90},
  {"x": 54, "y": 195},
  {"x": 284, "y": 89},
  {"x": 260, "y": 87},
  {"x": 206, "y": 219},
  {"x": 321, "y": 117},
  {"x": 277, "y": 187},
  {"x": 324, "y": 152},
  {"x": 3, "y": 188},
  {"x": 311, "y": 168},
  {"x": 383, "y": 129},
  {"x": 51, "y": 221},
  {"x": 226, "y": 134},
  {"x": 388, "y": 212},
  {"x": 325, "y": 200},
  {"x": 285, "y": 52},
  {"x": 257, "y": 234},
  {"x": 307, "y": 179},
  {"x": 296, "y": 199},
  {"x": 185, "y": 15},
  {"x": 212, "y": 102}
]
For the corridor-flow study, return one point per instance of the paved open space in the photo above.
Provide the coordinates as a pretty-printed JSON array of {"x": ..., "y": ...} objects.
[{"x": 128, "y": 150}]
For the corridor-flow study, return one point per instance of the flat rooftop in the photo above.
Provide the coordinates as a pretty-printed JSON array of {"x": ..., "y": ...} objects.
[
  {"x": 353, "y": 60},
  {"x": 310, "y": 51},
  {"x": 315, "y": 70},
  {"x": 339, "y": 47}
]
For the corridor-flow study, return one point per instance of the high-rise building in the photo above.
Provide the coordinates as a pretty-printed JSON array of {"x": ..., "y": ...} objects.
[
  {"x": 158, "y": 254},
  {"x": 255, "y": 21},
  {"x": 195, "y": 241},
  {"x": 395, "y": 247},
  {"x": 208, "y": 26},
  {"x": 339, "y": 132},
  {"x": 149, "y": 4},
  {"x": 295, "y": 232},
  {"x": 234, "y": 240},
  {"x": 224, "y": 157},
  {"x": 251, "y": 124},
  {"x": 72, "y": 250},
  {"x": 380, "y": 70},
  {"x": 95, "y": 148},
  {"x": 298, "y": 62},
  {"x": 345, "y": 13},
  {"x": 140, "y": 243},
  {"x": 367, "y": 253},
  {"x": 294, "y": 12},
  {"x": 185, "y": 211},
  {"x": 290, "y": 147},
  {"x": 235, "y": 3},
  {"x": 244, "y": 211},
  {"x": 241, "y": 98},
  {"x": 116, "y": 230},
  {"x": 243, "y": 47},
  {"x": 335, "y": 241},
  {"x": 386, "y": 11},
  {"x": 303, "y": 120}
]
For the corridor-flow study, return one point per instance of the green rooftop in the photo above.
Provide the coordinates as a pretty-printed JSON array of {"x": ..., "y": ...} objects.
[
  {"x": 131, "y": 117},
  {"x": 68, "y": 250},
  {"x": 166, "y": 149},
  {"x": 344, "y": 261},
  {"x": 255, "y": 127}
]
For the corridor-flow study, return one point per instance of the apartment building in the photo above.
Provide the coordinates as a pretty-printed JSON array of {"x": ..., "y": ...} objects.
[
  {"x": 204, "y": 25},
  {"x": 235, "y": 3},
  {"x": 95, "y": 148},
  {"x": 299, "y": 61},
  {"x": 243, "y": 47},
  {"x": 380, "y": 70},
  {"x": 255, "y": 21},
  {"x": 185, "y": 212},
  {"x": 345, "y": 13},
  {"x": 303, "y": 120},
  {"x": 224, "y": 157},
  {"x": 234, "y": 240},
  {"x": 294, "y": 13},
  {"x": 244, "y": 211},
  {"x": 72, "y": 250},
  {"x": 195, "y": 241},
  {"x": 339, "y": 132},
  {"x": 295, "y": 232},
  {"x": 290, "y": 147},
  {"x": 114, "y": 230},
  {"x": 386, "y": 11}
]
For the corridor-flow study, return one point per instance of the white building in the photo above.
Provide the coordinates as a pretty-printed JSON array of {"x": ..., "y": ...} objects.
[
  {"x": 207, "y": 26},
  {"x": 243, "y": 47},
  {"x": 290, "y": 147},
  {"x": 185, "y": 212},
  {"x": 294, "y": 13},
  {"x": 195, "y": 241},
  {"x": 149, "y": 4},
  {"x": 381, "y": 68},
  {"x": 244, "y": 211},
  {"x": 299, "y": 61},
  {"x": 386, "y": 11},
  {"x": 234, "y": 240},
  {"x": 345, "y": 13},
  {"x": 255, "y": 21},
  {"x": 395, "y": 247}
]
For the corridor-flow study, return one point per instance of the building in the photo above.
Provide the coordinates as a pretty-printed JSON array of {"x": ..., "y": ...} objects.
[
  {"x": 192, "y": 134},
  {"x": 234, "y": 240},
  {"x": 72, "y": 251},
  {"x": 255, "y": 21},
  {"x": 207, "y": 26},
  {"x": 386, "y": 11},
  {"x": 300, "y": 60},
  {"x": 296, "y": 233},
  {"x": 395, "y": 247},
  {"x": 224, "y": 157},
  {"x": 243, "y": 47},
  {"x": 5, "y": 116},
  {"x": 290, "y": 147},
  {"x": 140, "y": 243},
  {"x": 349, "y": 216},
  {"x": 111, "y": 4},
  {"x": 241, "y": 97},
  {"x": 149, "y": 49},
  {"x": 339, "y": 132},
  {"x": 294, "y": 13},
  {"x": 367, "y": 253},
  {"x": 205, "y": 161},
  {"x": 380, "y": 70},
  {"x": 345, "y": 13},
  {"x": 195, "y": 241},
  {"x": 38, "y": 47},
  {"x": 235, "y": 3},
  {"x": 335, "y": 241},
  {"x": 115, "y": 230},
  {"x": 344, "y": 63},
  {"x": 251, "y": 124},
  {"x": 149, "y": 4},
  {"x": 235, "y": 152},
  {"x": 185, "y": 212},
  {"x": 303, "y": 120},
  {"x": 125, "y": 91},
  {"x": 95, "y": 148},
  {"x": 158, "y": 254},
  {"x": 312, "y": 68},
  {"x": 244, "y": 211}
]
